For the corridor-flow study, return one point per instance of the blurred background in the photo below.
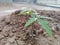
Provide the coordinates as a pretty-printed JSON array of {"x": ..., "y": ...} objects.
[
  {"x": 7, "y": 6},
  {"x": 51, "y": 3},
  {"x": 56, "y": 2},
  {"x": 32, "y": 1}
]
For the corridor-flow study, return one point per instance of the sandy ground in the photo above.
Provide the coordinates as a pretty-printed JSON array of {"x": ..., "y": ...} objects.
[
  {"x": 8, "y": 9},
  {"x": 13, "y": 32}
]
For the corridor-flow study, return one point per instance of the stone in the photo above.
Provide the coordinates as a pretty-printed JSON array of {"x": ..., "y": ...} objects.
[
  {"x": 1, "y": 36},
  {"x": 11, "y": 40},
  {"x": 7, "y": 43},
  {"x": 20, "y": 42}
]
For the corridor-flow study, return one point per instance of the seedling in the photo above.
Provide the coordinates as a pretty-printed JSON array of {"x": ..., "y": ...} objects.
[{"x": 40, "y": 20}]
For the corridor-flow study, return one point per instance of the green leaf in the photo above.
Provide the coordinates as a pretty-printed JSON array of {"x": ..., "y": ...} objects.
[
  {"x": 45, "y": 25},
  {"x": 43, "y": 17},
  {"x": 33, "y": 15},
  {"x": 31, "y": 20}
]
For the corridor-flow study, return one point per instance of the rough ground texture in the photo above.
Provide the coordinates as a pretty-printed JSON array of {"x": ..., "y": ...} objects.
[{"x": 13, "y": 32}]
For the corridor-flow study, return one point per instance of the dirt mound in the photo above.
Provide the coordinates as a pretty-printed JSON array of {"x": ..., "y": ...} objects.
[{"x": 13, "y": 32}]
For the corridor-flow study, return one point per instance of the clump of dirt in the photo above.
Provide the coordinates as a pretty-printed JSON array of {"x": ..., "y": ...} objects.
[{"x": 13, "y": 32}]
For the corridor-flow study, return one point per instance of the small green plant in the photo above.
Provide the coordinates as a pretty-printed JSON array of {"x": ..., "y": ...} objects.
[{"x": 40, "y": 20}]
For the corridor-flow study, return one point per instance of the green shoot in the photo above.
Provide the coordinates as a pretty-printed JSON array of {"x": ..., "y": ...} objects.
[{"x": 40, "y": 20}]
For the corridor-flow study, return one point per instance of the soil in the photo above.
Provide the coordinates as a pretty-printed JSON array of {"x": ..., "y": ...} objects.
[{"x": 13, "y": 32}]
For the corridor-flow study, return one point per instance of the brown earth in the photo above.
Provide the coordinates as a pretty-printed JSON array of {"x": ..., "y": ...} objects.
[{"x": 13, "y": 32}]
